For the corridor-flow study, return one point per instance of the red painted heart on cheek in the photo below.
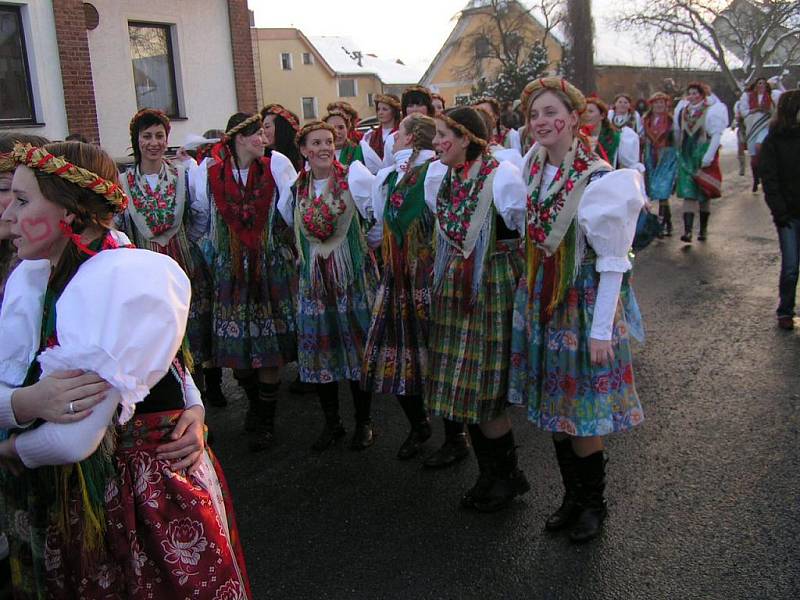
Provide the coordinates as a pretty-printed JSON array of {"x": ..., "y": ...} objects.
[
  {"x": 559, "y": 124},
  {"x": 446, "y": 146},
  {"x": 36, "y": 230}
]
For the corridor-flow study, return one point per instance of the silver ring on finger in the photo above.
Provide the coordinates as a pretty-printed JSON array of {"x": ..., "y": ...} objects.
[{"x": 71, "y": 408}]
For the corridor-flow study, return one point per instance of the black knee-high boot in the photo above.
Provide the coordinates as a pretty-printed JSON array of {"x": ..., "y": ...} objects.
[
  {"x": 688, "y": 223},
  {"x": 507, "y": 480},
  {"x": 666, "y": 226},
  {"x": 591, "y": 472},
  {"x": 248, "y": 381},
  {"x": 262, "y": 437},
  {"x": 363, "y": 436},
  {"x": 455, "y": 447},
  {"x": 701, "y": 237},
  {"x": 333, "y": 430},
  {"x": 566, "y": 514},
  {"x": 212, "y": 394},
  {"x": 417, "y": 415},
  {"x": 481, "y": 446}
]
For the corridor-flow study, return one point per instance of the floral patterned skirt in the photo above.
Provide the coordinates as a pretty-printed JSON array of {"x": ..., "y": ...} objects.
[
  {"x": 332, "y": 328},
  {"x": 167, "y": 535},
  {"x": 254, "y": 323},
  {"x": 396, "y": 356},
  {"x": 470, "y": 347},
  {"x": 551, "y": 371}
]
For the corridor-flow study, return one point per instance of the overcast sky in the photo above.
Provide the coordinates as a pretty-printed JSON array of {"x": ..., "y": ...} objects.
[{"x": 413, "y": 33}]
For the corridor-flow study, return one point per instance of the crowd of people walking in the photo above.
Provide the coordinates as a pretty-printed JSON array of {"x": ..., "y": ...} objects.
[{"x": 443, "y": 257}]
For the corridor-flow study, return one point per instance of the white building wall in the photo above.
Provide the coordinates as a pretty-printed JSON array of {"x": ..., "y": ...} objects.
[
  {"x": 45, "y": 69},
  {"x": 203, "y": 66}
]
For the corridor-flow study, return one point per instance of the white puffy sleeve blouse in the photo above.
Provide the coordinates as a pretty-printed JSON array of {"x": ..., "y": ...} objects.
[
  {"x": 607, "y": 216},
  {"x": 139, "y": 303}
]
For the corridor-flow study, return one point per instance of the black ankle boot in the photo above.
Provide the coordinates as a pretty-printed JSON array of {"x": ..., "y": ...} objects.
[
  {"x": 566, "y": 514},
  {"x": 364, "y": 435},
  {"x": 455, "y": 447},
  {"x": 213, "y": 395},
  {"x": 591, "y": 471},
  {"x": 419, "y": 434},
  {"x": 333, "y": 430},
  {"x": 688, "y": 223},
  {"x": 508, "y": 481},
  {"x": 701, "y": 237},
  {"x": 263, "y": 434}
]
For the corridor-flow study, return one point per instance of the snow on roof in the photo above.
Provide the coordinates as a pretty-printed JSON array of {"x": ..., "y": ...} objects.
[{"x": 343, "y": 54}]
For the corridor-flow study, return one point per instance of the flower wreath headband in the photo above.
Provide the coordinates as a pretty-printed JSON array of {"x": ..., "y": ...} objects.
[
  {"x": 7, "y": 162},
  {"x": 41, "y": 160},
  {"x": 277, "y": 109},
  {"x": 455, "y": 125},
  {"x": 308, "y": 128},
  {"x": 256, "y": 118},
  {"x": 389, "y": 100}
]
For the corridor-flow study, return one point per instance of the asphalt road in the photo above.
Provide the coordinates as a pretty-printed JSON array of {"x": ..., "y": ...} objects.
[{"x": 704, "y": 497}]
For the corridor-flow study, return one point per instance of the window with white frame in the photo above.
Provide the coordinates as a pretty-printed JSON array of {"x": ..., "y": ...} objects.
[
  {"x": 286, "y": 61},
  {"x": 153, "y": 67},
  {"x": 370, "y": 100},
  {"x": 348, "y": 88},
  {"x": 16, "y": 98},
  {"x": 308, "y": 59},
  {"x": 309, "y": 108}
]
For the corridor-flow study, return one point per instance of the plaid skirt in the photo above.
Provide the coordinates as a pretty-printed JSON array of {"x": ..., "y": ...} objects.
[
  {"x": 168, "y": 535},
  {"x": 470, "y": 346}
]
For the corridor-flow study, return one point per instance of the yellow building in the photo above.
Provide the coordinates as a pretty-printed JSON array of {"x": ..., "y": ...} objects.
[
  {"x": 466, "y": 55},
  {"x": 304, "y": 73}
]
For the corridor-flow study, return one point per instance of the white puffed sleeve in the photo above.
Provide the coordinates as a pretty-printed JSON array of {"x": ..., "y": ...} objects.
[
  {"x": 716, "y": 122},
  {"x": 676, "y": 119},
  {"x": 359, "y": 180},
  {"x": 514, "y": 141},
  {"x": 433, "y": 181},
  {"x": 138, "y": 302},
  {"x": 20, "y": 330},
  {"x": 743, "y": 104},
  {"x": 282, "y": 169},
  {"x": 286, "y": 202},
  {"x": 372, "y": 161},
  {"x": 510, "y": 196},
  {"x": 193, "y": 397},
  {"x": 388, "y": 151},
  {"x": 198, "y": 187},
  {"x": 21, "y": 319},
  {"x": 378, "y": 193},
  {"x": 607, "y": 215},
  {"x": 628, "y": 152},
  {"x": 508, "y": 155}
]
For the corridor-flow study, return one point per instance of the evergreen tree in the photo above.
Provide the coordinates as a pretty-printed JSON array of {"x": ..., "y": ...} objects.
[{"x": 512, "y": 78}]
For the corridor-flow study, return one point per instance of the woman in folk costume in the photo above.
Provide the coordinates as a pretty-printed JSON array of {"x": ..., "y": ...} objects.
[
  {"x": 253, "y": 314},
  {"x": 395, "y": 357},
  {"x": 107, "y": 485},
  {"x": 388, "y": 113},
  {"x": 347, "y": 151},
  {"x": 619, "y": 147},
  {"x": 280, "y": 128},
  {"x": 571, "y": 360},
  {"x": 480, "y": 210},
  {"x": 660, "y": 156},
  {"x": 623, "y": 114},
  {"x": 438, "y": 103},
  {"x": 504, "y": 137},
  {"x": 353, "y": 134},
  {"x": 326, "y": 205},
  {"x": 699, "y": 122},
  {"x": 162, "y": 217},
  {"x": 756, "y": 106},
  {"x": 8, "y": 254},
  {"x": 415, "y": 99}
]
